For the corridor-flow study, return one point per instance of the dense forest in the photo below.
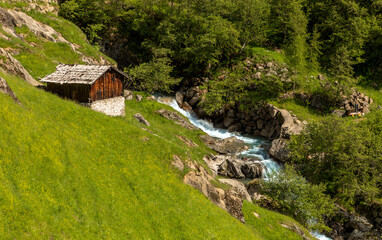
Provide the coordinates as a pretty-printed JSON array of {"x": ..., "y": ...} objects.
[{"x": 166, "y": 41}]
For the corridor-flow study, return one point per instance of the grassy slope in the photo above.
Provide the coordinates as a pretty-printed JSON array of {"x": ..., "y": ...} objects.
[
  {"x": 40, "y": 56},
  {"x": 69, "y": 172}
]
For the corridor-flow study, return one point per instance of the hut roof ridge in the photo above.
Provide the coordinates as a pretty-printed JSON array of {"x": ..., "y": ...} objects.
[{"x": 78, "y": 74}]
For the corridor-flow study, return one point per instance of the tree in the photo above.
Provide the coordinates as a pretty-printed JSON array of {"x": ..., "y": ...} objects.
[
  {"x": 343, "y": 26},
  {"x": 343, "y": 155},
  {"x": 305, "y": 202},
  {"x": 155, "y": 75},
  {"x": 288, "y": 30}
]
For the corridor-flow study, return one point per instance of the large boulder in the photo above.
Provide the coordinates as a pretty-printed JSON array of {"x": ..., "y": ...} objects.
[
  {"x": 237, "y": 187},
  {"x": 279, "y": 150},
  {"x": 12, "y": 66},
  {"x": 230, "y": 200},
  {"x": 240, "y": 168},
  {"x": 230, "y": 145},
  {"x": 290, "y": 126}
]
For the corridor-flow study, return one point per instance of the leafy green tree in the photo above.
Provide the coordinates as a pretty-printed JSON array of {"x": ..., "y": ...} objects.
[
  {"x": 288, "y": 30},
  {"x": 306, "y": 202},
  {"x": 343, "y": 26},
  {"x": 155, "y": 75},
  {"x": 343, "y": 155}
]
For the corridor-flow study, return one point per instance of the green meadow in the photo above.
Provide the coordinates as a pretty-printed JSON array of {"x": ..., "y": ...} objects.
[{"x": 70, "y": 173}]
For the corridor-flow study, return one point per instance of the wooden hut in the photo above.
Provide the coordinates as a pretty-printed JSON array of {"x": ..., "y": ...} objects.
[{"x": 86, "y": 83}]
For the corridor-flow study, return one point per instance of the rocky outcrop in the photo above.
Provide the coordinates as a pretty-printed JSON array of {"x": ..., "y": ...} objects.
[
  {"x": 279, "y": 150},
  {"x": 265, "y": 120},
  {"x": 12, "y": 66},
  {"x": 346, "y": 225},
  {"x": 234, "y": 166},
  {"x": 238, "y": 187},
  {"x": 356, "y": 100},
  {"x": 174, "y": 116},
  {"x": 4, "y": 88},
  {"x": 11, "y": 19},
  {"x": 230, "y": 146},
  {"x": 177, "y": 163},
  {"x": 229, "y": 200}
]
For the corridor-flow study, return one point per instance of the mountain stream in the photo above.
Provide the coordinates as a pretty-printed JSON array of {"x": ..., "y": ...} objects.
[{"x": 255, "y": 149}]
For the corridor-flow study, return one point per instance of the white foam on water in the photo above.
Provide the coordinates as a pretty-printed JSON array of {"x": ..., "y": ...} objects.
[
  {"x": 254, "y": 151},
  {"x": 320, "y": 236},
  {"x": 207, "y": 127}
]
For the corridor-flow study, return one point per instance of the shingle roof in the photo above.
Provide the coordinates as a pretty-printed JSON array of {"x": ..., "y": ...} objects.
[{"x": 78, "y": 74}]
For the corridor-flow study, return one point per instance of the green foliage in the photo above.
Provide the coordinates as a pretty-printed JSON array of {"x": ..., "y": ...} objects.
[
  {"x": 342, "y": 154},
  {"x": 304, "y": 201},
  {"x": 154, "y": 76}
]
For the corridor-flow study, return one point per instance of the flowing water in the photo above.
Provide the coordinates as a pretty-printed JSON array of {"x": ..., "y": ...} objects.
[{"x": 255, "y": 149}]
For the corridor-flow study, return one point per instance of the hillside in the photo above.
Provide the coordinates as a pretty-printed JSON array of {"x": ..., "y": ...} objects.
[{"x": 70, "y": 173}]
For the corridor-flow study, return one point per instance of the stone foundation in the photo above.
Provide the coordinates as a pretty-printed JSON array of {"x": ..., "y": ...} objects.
[{"x": 111, "y": 106}]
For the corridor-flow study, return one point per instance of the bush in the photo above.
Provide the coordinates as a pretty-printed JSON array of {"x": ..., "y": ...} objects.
[
  {"x": 305, "y": 202},
  {"x": 155, "y": 76}
]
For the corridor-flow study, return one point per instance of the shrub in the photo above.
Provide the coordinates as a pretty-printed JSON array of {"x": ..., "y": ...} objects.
[{"x": 305, "y": 202}]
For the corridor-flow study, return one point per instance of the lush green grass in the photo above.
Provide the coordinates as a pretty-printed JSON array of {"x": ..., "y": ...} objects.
[
  {"x": 269, "y": 223},
  {"x": 302, "y": 111},
  {"x": 69, "y": 172},
  {"x": 267, "y": 55},
  {"x": 71, "y": 33}
]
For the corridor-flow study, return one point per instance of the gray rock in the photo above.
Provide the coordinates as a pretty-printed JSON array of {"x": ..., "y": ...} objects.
[
  {"x": 174, "y": 116},
  {"x": 231, "y": 113},
  {"x": 252, "y": 170},
  {"x": 191, "y": 92},
  {"x": 228, "y": 121},
  {"x": 186, "y": 106},
  {"x": 236, "y": 127},
  {"x": 279, "y": 150},
  {"x": 177, "y": 163},
  {"x": 258, "y": 75},
  {"x": 339, "y": 113},
  {"x": 365, "y": 110},
  {"x": 194, "y": 100},
  {"x": 237, "y": 187},
  {"x": 260, "y": 124},
  {"x": 139, "y": 97},
  {"x": 141, "y": 119},
  {"x": 230, "y": 145},
  {"x": 264, "y": 132},
  {"x": 179, "y": 98},
  {"x": 230, "y": 200}
]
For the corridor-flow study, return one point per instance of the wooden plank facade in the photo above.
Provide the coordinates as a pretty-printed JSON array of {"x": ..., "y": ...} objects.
[
  {"x": 86, "y": 83},
  {"x": 109, "y": 85}
]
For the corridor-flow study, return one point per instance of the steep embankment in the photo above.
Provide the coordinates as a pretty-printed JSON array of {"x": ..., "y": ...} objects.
[{"x": 70, "y": 173}]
